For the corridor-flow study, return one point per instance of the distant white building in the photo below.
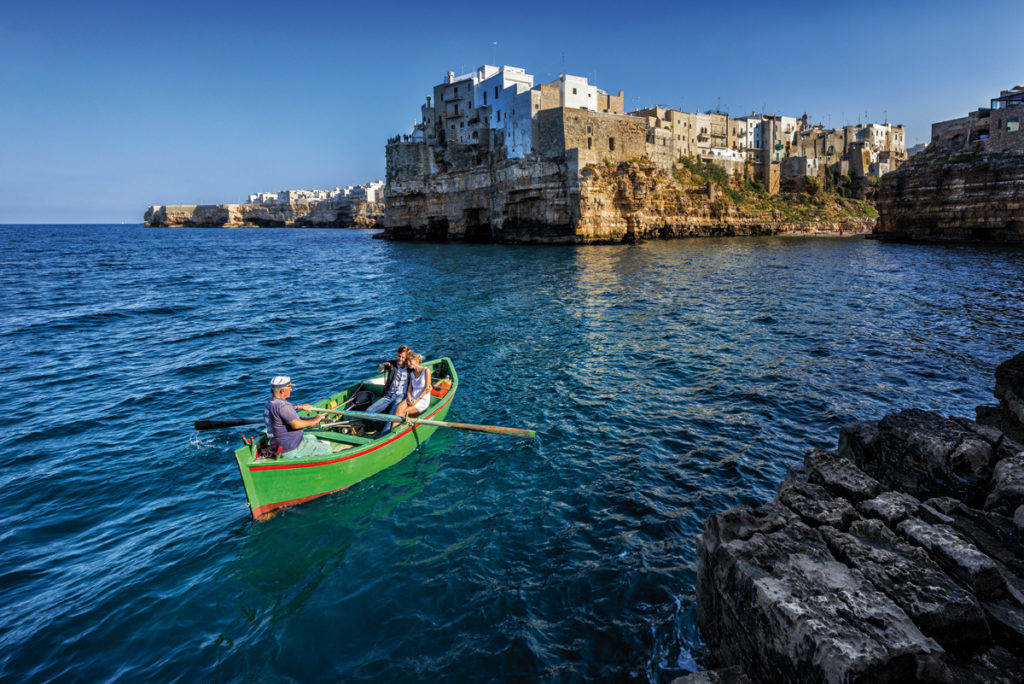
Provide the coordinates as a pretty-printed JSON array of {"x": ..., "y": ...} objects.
[{"x": 370, "y": 192}]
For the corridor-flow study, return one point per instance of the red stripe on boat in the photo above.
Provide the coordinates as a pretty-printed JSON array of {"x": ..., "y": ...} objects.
[{"x": 283, "y": 466}]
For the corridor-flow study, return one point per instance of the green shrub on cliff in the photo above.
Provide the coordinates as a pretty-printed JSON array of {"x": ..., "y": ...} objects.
[{"x": 702, "y": 172}]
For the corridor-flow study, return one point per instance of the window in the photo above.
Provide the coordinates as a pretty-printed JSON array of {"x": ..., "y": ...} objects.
[
  {"x": 485, "y": 97},
  {"x": 573, "y": 91},
  {"x": 590, "y": 143},
  {"x": 611, "y": 144},
  {"x": 456, "y": 90},
  {"x": 499, "y": 115},
  {"x": 1013, "y": 125},
  {"x": 588, "y": 129},
  {"x": 495, "y": 92}
]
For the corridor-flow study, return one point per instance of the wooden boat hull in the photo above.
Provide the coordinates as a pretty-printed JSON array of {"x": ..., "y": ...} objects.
[{"x": 275, "y": 483}]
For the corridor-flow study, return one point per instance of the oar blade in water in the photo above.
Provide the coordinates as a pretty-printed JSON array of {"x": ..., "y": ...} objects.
[{"x": 219, "y": 423}]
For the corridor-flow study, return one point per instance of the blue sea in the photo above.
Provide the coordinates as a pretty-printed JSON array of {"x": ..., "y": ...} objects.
[{"x": 667, "y": 381}]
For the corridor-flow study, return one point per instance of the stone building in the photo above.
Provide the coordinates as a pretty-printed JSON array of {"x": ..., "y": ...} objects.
[
  {"x": 494, "y": 109},
  {"x": 865, "y": 149},
  {"x": 995, "y": 129}
]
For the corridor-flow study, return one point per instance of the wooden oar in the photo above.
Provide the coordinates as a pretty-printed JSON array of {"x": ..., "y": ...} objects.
[
  {"x": 382, "y": 417},
  {"x": 218, "y": 423}
]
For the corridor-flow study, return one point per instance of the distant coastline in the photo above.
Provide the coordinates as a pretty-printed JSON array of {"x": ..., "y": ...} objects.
[
  {"x": 354, "y": 206},
  {"x": 336, "y": 213}
]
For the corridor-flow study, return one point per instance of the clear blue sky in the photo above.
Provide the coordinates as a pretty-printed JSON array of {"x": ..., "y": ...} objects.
[{"x": 109, "y": 107}]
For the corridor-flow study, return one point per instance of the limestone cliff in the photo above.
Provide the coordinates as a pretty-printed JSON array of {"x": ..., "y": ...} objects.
[
  {"x": 636, "y": 201},
  {"x": 510, "y": 201},
  {"x": 939, "y": 196},
  {"x": 538, "y": 200},
  {"x": 341, "y": 213}
]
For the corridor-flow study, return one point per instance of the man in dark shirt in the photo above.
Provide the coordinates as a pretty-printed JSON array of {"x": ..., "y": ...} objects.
[
  {"x": 394, "y": 386},
  {"x": 284, "y": 427}
]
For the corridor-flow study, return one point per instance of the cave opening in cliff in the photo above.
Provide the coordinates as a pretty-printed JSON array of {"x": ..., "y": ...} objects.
[{"x": 477, "y": 225}]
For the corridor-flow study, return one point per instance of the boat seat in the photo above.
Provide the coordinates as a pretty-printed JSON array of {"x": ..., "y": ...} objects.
[{"x": 354, "y": 440}]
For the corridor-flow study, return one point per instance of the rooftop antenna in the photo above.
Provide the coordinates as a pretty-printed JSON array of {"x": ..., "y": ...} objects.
[
  {"x": 886, "y": 117},
  {"x": 563, "y": 62}
]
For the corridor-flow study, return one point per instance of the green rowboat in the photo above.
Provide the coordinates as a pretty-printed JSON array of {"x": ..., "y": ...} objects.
[{"x": 274, "y": 483}]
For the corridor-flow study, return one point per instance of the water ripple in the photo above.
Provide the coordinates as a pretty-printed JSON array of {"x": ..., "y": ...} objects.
[{"x": 666, "y": 381}]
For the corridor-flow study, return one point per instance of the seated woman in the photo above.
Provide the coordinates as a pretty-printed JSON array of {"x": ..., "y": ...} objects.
[{"x": 417, "y": 396}]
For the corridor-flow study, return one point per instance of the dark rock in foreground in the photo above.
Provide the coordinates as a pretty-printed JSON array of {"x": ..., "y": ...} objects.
[{"x": 899, "y": 558}]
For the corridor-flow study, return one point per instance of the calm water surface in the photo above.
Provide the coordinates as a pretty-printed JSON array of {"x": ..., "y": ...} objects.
[{"x": 666, "y": 381}]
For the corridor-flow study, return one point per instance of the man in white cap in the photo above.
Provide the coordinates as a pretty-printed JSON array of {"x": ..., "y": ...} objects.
[{"x": 284, "y": 427}]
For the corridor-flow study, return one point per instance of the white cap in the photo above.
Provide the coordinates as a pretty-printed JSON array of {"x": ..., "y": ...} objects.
[{"x": 280, "y": 381}]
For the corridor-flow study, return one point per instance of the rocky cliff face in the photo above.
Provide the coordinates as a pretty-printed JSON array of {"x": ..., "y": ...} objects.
[
  {"x": 510, "y": 201},
  {"x": 344, "y": 213},
  {"x": 936, "y": 196},
  {"x": 545, "y": 201},
  {"x": 897, "y": 558},
  {"x": 636, "y": 201}
]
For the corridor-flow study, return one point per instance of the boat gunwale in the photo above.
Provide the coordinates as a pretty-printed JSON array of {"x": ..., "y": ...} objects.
[{"x": 348, "y": 457}]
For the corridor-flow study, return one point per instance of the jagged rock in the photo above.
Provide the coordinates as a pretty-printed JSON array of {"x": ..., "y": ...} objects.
[
  {"x": 994, "y": 665},
  {"x": 840, "y": 476},
  {"x": 1007, "y": 486},
  {"x": 743, "y": 522},
  {"x": 729, "y": 675},
  {"x": 857, "y": 441},
  {"x": 806, "y": 589},
  {"x": 926, "y": 455},
  {"x": 995, "y": 536},
  {"x": 957, "y": 555},
  {"x": 1002, "y": 445},
  {"x": 814, "y": 505},
  {"x": 938, "y": 605},
  {"x": 1010, "y": 382},
  {"x": 1009, "y": 415},
  {"x": 1008, "y": 617},
  {"x": 935, "y": 514},
  {"x": 781, "y": 607},
  {"x": 890, "y": 507}
]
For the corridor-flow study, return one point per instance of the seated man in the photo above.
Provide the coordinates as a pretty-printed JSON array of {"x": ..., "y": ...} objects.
[
  {"x": 284, "y": 427},
  {"x": 395, "y": 386}
]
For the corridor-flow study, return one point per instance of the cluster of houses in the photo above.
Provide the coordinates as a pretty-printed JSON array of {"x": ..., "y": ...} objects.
[
  {"x": 495, "y": 113},
  {"x": 368, "y": 192}
]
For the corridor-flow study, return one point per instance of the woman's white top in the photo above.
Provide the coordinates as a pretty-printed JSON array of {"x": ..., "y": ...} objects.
[{"x": 418, "y": 384}]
